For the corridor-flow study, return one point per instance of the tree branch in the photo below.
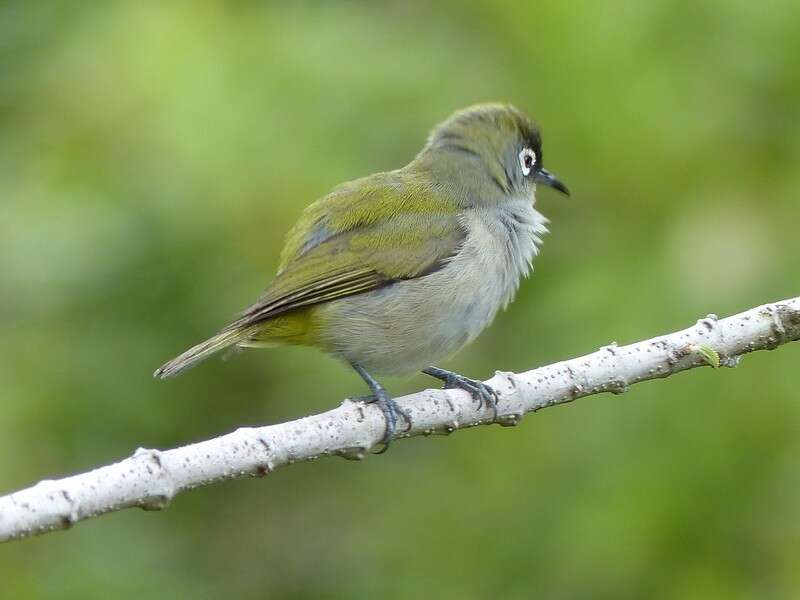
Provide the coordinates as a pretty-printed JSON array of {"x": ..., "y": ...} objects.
[{"x": 151, "y": 478}]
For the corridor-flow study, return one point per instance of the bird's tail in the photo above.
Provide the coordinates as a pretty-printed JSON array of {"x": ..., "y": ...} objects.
[{"x": 200, "y": 352}]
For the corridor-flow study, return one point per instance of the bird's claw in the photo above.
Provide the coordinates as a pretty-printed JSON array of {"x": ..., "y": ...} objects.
[
  {"x": 390, "y": 410},
  {"x": 389, "y": 407},
  {"x": 483, "y": 394}
]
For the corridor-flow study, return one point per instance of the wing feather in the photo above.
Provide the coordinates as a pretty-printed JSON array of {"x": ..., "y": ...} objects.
[{"x": 363, "y": 236}]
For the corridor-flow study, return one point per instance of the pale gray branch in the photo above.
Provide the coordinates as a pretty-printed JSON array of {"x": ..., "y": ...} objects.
[{"x": 151, "y": 478}]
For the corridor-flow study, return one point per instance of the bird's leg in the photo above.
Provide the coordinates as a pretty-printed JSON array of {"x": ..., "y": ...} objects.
[
  {"x": 389, "y": 407},
  {"x": 483, "y": 394}
]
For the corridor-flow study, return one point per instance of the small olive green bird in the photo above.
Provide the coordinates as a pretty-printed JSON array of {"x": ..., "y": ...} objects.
[{"x": 399, "y": 270}]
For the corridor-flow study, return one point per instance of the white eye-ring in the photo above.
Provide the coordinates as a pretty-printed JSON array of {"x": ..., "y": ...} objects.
[{"x": 527, "y": 159}]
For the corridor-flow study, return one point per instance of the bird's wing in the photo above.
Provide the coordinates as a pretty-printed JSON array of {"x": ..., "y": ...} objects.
[{"x": 364, "y": 235}]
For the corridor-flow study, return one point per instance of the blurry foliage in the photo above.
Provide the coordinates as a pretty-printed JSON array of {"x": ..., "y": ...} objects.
[{"x": 152, "y": 155}]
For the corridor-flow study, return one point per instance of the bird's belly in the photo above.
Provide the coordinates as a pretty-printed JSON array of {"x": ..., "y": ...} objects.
[
  {"x": 410, "y": 324},
  {"x": 413, "y": 323}
]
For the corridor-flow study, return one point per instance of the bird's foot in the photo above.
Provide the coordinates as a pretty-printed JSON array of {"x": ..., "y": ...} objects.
[
  {"x": 483, "y": 394},
  {"x": 390, "y": 410},
  {"x": 388, "y": 406}
]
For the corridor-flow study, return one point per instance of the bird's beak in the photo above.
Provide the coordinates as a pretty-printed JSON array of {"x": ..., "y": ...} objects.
[{"x": 545, "y": 177}]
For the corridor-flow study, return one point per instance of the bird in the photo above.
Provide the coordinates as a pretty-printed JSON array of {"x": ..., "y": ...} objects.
[{"x": 398, "y": 270}]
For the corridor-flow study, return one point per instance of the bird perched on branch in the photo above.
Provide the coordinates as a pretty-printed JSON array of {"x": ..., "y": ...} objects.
[{"x": 398, "y": 270}]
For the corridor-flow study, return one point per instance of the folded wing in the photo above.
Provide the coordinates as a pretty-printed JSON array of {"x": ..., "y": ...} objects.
[{"x": 366, "y": 234}]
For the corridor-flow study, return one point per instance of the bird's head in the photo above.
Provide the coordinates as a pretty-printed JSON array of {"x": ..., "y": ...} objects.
[{"x": 490, "y": 150}]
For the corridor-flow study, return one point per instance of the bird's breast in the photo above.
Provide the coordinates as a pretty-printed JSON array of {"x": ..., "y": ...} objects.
[{"x": 501, "y": 244}]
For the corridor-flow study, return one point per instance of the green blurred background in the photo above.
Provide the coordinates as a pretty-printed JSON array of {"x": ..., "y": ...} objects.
[{"x": 152, "y": 156}]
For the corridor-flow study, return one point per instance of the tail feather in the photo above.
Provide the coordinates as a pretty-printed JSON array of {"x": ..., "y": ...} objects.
[{"x": 200, "y": 352}]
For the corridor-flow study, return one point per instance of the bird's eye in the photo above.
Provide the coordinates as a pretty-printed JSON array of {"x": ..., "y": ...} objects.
[{"x": 527, "y": 159}]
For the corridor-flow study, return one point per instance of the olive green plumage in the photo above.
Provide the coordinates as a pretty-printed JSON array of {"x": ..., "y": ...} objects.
[{"x": 399, "y": 269}]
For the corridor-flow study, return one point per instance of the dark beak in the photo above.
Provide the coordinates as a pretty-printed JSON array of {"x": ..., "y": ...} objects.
[{"x": 545, "y": 177}]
